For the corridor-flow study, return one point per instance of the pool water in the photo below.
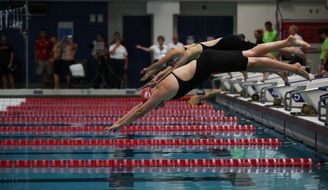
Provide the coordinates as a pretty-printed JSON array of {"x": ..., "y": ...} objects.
[{"x": 161, "y": 178}]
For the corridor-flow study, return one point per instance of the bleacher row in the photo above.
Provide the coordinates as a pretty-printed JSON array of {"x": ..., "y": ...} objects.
[{"x": 301, "y": 97}]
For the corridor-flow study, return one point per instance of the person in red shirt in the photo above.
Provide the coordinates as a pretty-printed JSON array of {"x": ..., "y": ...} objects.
[{"x": 43, "y": 47}]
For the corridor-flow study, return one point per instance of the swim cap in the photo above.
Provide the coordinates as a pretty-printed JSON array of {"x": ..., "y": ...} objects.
[{"x": 145, "y": 94}]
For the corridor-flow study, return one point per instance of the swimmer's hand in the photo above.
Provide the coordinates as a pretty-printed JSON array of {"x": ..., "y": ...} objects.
[
  {"x": 151, "y": 84},
  {"x": 112, "y": 128},
  {"x": 144, "y": 70}
]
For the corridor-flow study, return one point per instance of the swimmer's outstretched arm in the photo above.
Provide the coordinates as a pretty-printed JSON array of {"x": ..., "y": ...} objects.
[
  {"x": 160, "y": 95},
  {"x": 135, "y": 113},
  {"x": 169, "y": 56},
  {"x": 191, "y": 53}
]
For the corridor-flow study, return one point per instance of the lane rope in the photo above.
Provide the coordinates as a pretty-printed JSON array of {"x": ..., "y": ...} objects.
[{"x": 117, "y": 163}]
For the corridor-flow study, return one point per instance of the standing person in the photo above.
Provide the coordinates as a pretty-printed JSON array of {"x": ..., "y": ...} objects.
[
  {"x": 68, "y": 56},
  {"x": 293, "y": 30},
  {"x": 270, "y": 35},
  {"x": 323, "y": 53},
  {"x": 43, "y": 48},
  {"x": 56, "y": 61},
  {"x": 119, "y": 62},
  {"x": 258, "y": 35},
  {"x": 175, "y": 43},
  {"x": 99, "y": 47},
  {"x": 296, "y": 58},
  {"x": 100, "y": 52},
  {"x": 158, "y": 50},
  {"x": 6, "y": 62}
]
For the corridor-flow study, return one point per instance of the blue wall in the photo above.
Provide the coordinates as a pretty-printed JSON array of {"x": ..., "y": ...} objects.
[{"x": 84, "y": 32}]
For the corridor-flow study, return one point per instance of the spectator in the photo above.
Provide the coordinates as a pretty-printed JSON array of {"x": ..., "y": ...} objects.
[
  {"x": 258, "y": 35},
  {"x": 323, "y": 53},
  {"x": 119, "y": 62},
  {"x": 99, "y": 47},
  {"x": 117, "y": 35},
  {"x": 270, "y": 35},
  {"x": 68, "y": 56},
  {"x": 293, "y": 30},
  {"x": 296, "y": 58},
  {"x": 175, "y": 43},
  {"x": 159, "y": 50},
  {"x": 6, "y": 62},
  {"x": 43, "y": 48},
  {"x": 104, "y": 77},
  {"x": 56, "y": 61}
]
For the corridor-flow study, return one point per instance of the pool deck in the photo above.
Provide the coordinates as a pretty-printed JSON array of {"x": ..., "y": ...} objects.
[{"x": 304, "y": 129}]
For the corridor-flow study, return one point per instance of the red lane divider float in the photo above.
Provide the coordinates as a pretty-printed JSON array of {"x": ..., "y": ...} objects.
[
  {"x": 112, "y": 119},
  {"x": 87, "y": 112},
  {"x": 133, "y": 128},
  {"x": 110, "y": 170},
  {"x": 84, "y": 100},
  {"x": 136, "y": 142},
  {"x": 267, "y": 162},
  {"x": 116, "y": 105}
]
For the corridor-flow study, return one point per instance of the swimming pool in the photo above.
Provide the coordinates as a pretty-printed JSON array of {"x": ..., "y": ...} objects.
[{"x": 87, "y": 114}]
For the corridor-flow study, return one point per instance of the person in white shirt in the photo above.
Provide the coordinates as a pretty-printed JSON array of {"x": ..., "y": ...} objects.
[
  {"x": 292, "y": 30},
  {"x": 119, "y": 63},
  {"x": 158, "y": 50},
  {"x": 296, "y": 57},
  {"x": 175, "y": 43}
]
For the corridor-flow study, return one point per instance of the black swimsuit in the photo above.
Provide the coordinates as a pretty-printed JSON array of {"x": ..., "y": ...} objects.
[
  {"x": 230, "y": 43},
  {"x": 211, "y": 61}
]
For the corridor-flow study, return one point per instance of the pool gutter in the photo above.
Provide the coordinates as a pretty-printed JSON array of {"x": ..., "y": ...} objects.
[{"x": 304, "y": 131}]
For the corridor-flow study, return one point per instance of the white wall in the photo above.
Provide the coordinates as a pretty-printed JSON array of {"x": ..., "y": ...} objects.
[{"x": 163, "y": 13}]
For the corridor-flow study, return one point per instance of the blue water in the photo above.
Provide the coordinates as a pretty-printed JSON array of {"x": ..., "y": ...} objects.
[{"x": 163, "y": 178}]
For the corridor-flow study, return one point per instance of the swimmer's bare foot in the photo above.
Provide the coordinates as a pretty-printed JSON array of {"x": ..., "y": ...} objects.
[
  {"x": 292, "y": 41},
  {"x": 300, "y": 71}
]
